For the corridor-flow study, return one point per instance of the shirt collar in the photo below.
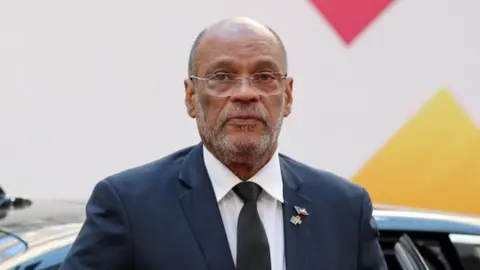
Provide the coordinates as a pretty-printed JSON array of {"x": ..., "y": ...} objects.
[{"x": 269, "y": 178}]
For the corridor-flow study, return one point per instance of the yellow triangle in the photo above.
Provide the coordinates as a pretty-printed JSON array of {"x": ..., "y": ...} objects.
[{"x": 432, "y": 162}]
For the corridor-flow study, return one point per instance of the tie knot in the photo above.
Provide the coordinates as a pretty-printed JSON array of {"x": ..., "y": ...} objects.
[{"x": 247, "y": 191}]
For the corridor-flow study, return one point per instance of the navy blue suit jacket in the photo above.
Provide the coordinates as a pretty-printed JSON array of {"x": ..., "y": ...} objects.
[{"x": 164, "y": 215}]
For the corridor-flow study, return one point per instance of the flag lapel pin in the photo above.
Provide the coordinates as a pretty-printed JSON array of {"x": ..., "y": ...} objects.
[
  {"x": 301, "y": 211},
  {"x": 296, "y": 219}
]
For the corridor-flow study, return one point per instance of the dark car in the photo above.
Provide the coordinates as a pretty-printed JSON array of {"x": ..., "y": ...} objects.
[
  {"x": 38, "y": 235},
  {"x": 431, "y": 240}
]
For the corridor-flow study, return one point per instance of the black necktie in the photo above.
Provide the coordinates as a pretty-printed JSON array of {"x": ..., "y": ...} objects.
[{"x": 253, "y": 252}]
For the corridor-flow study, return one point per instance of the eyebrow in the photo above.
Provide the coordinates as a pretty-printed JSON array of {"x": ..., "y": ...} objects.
[
  {"x": 221, "y": 63},
  {"x": 265, "y": 63},
  {"x": 228, "y": 63}
]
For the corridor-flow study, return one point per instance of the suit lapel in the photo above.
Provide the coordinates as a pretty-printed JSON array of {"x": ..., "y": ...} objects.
[
  {"x": 201, "y": 209},
  {"x": 297, "y": 237}
]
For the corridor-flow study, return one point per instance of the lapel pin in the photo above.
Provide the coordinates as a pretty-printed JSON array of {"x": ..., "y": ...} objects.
[
  {"x": 296, "y": 220},
  {"x": 301, "y": 211}
]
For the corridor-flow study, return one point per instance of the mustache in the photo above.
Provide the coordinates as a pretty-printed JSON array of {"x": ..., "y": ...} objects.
[{"x": 243, "y": 111}]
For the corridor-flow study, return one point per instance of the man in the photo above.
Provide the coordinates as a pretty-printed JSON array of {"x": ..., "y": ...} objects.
[{"x": 231, "y": 202}]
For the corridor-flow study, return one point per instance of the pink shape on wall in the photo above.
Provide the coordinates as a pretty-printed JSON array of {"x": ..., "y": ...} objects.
[{"x": 349, "y": 18}]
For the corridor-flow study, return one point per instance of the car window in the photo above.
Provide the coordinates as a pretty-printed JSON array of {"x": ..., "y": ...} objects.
[
  {"x": 437, "y": 250},
  {"x": 468, "y": 248},
  {"x": 469, "y": 255},
  {"x": 404, "y": 260},
  {"x": 440, "y": 251},
  {"x": 434, "y": 253},
  {"x": 51, "y": 260},
  {"x": 388, "y": 241},
  {"x": 399, "y": 253},
  {"x": 416, "y": 258}
]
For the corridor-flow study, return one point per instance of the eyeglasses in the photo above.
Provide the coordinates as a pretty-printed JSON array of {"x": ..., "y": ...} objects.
[{"x": 225, "y": 84}]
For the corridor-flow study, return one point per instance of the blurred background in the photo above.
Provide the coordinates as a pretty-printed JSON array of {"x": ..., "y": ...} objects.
[{"x": 387, "y": 92}]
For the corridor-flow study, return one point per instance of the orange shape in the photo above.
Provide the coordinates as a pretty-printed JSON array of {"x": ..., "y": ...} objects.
[{"x": 432, "y": 162}]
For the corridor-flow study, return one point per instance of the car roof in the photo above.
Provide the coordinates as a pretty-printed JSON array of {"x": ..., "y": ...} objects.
[
  {"x": 423, "y": 220},
  {"x": 41, "y": 225}
]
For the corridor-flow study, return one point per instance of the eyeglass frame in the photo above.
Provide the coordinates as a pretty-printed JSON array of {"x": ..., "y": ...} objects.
[{"x": 230, "y": 92}]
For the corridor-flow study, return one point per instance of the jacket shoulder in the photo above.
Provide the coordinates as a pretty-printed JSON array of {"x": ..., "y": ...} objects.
[
  {"x": 317, "y": 182},
  {"x": 155, "y": 172}
]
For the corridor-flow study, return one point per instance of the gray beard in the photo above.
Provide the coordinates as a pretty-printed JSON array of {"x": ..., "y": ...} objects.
[
  {"x": 235, "y": 151},
  {"x": 230, "y": 150}
]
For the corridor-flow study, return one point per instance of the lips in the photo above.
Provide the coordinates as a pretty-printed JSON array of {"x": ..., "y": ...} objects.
[{"x": 245, "y": 120}]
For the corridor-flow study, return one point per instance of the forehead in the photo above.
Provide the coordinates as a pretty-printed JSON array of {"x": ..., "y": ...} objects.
[{"x": 244, "y": 50}]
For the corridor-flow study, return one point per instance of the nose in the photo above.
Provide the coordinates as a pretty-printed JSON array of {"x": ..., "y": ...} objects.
[{"x": 245, "y": 92}]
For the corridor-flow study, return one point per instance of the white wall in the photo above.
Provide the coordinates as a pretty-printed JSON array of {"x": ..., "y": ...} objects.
[{"x": 88, "y": 88}]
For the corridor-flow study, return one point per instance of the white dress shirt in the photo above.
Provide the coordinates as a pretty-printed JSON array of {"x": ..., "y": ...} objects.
[{"x": 269, "y": 204}]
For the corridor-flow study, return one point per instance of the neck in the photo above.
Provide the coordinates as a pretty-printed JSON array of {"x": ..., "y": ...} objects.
[{"x": 245, "y": 168}]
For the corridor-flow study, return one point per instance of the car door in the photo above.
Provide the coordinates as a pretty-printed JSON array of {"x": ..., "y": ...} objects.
[{"x": 408, "y": 256}]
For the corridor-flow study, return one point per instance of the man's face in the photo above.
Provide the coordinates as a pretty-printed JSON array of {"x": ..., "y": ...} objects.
[{"x": 245, "y": 124}]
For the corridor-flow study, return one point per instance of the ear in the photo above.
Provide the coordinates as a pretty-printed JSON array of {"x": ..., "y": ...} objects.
[
  {"x": 190, "y": 98},
  {"x": 288, "y": 97}
]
